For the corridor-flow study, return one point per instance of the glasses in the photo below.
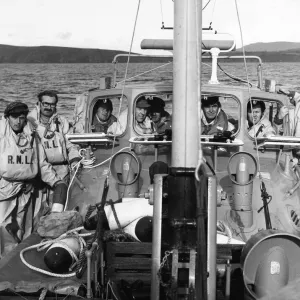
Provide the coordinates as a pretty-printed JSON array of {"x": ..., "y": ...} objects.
[{"x": 47, "y": 104}]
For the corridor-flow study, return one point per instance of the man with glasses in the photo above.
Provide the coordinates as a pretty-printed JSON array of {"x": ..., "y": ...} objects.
[
  {"x": 52, "y": 128},
  {"x": 22, "y": 159},
  {"x": 213, "y": 118}
]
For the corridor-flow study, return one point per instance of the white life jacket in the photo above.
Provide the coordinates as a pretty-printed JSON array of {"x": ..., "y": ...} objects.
[
  {"x": 54, "y": 144},
  {"x": 51, "y": 136},
  {"x": 18, "y": 159}
]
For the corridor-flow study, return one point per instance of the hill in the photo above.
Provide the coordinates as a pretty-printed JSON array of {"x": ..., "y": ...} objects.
[
  {"x": 271, "y": 47},
  {"x": 292, "y": 55},
  {"x": 52, "y": 54}
]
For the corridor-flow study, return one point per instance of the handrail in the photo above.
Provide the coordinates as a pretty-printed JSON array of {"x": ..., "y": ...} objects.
[{"x": 259, "y": 66}]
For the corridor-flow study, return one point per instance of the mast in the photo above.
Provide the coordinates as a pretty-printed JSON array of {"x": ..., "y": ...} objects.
[{"x": 186, "y": 83}]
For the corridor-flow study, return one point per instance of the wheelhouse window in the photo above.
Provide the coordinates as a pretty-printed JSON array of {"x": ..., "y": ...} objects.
[
  {"x": 105, "y": 115},
  {"x": 263, "y": 119},
  {"x": 219, "y": 114},
  {"x": 153, "y": 114}
]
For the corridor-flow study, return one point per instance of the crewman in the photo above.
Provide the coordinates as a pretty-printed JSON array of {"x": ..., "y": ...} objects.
[
  {"x": 294, "y": 112},
  {"x": 213, "y": 119},
  {"x": 142, "y": 120},
  {"x": 22, "y": 159},
  {"x": 103, "y": 118},
  {"x": 257, "y": 123},
  {"x": 52, "y": 128},
  {"x": 161, "y": 119}
]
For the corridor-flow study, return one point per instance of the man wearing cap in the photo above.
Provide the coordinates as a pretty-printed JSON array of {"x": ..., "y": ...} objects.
[
  {"x": 142, "y": 120},
  {"x": 257, "y": 123},
  {"x": 213, "y": 118},
  {"x": 52, "y": 128},
  {"x": 22, "y": 159},
  {"x": 161, "y": 119},
  {"x": 103, "y": 118}
]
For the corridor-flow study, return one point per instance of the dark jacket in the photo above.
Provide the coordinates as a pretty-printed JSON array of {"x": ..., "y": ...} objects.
[{"x": 103, "y": 126}]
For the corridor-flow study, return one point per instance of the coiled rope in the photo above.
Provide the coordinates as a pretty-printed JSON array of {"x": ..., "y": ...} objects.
[{"x": 47, "y": 243}]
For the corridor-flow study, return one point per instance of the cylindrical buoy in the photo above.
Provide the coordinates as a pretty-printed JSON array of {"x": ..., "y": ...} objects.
[
  {"x": 127, "y": 212},
  {"x": 58, "y": 257},
  {"x": 242, "y": 173},
  {"x": 272, "y": 273},
  {"x": 141, "y": 229}
]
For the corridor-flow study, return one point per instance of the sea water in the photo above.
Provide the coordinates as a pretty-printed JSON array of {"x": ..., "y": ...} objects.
[{"x": 24, "y": 81}]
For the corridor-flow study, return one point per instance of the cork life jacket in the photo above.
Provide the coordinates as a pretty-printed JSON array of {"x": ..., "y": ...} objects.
[
  {"x": 18, "y": 156},
  {"x": 103, "y": 126},
  {"x": 219, "y": 124}
]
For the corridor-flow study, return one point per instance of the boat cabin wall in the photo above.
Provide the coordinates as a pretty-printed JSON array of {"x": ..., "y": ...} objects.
[{"x": 233, "y": 103}]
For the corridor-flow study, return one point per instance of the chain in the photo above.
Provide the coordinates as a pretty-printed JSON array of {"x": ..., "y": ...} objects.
[{"x": 164, "y": 263}]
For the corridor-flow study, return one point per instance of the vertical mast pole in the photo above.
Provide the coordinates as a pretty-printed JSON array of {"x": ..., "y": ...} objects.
[{"x": 186, "y": 82}]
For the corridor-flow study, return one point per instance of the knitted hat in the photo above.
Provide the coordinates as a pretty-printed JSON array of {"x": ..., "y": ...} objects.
[{"x": 16, "y": 108}]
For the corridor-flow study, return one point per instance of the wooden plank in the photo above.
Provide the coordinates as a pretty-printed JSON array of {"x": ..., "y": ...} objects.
[
  {"x": 134, "y": 248},
  {"x": 130, "y": 263},
  {"x": 130, "y": 277}
]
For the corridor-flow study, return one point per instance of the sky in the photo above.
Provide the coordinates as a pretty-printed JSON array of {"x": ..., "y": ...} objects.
[{"x": 109, "y": 24}]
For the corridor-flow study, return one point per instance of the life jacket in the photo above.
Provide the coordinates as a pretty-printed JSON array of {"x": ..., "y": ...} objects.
[
  {"x": 18, "y": 158},
  {"x": 103, "y": 126},
  {"x": 263, "y": 128},
  {"x": 52, "y": 136},
  {"x": 144, "y": 127},
  {"x": 219, "y": 124}
]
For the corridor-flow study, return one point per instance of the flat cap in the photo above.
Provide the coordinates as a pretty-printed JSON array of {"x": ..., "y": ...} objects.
[
  {"x": 104, "y": 103},
  {"x": 143, "y": 103},
  {"x": 16, "y": 108},
  {"x": 157, "y": 104}
]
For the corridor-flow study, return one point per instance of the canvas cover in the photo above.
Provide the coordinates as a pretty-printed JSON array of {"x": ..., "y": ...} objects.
[{"x": 15, "y": 276}]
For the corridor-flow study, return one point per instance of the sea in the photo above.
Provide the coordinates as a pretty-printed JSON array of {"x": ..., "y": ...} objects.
[{"x": 24, "y": 81}]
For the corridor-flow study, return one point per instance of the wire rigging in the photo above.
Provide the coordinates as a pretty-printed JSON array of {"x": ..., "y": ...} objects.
[
  {"x": 248, "y": 85},
  {"x": 206, "y": 4},
  {"x": 125, "y": 77}
]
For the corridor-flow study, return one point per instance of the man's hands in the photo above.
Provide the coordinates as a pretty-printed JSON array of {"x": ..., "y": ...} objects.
[{"x": 283, "y": 112}]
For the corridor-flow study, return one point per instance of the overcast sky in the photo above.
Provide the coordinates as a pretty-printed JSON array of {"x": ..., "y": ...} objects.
[{"x": 108, "y": 24}]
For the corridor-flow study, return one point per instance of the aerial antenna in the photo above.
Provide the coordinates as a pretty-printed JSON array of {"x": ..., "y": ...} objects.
[{"x": 162, "y": 18}]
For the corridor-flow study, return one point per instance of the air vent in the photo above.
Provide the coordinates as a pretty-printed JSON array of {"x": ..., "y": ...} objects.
[{"x": 295, "y": 218}]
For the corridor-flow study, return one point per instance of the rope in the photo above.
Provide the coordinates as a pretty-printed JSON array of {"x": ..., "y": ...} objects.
[
  {"x": 224, "y": 228},
  {"x": 249, "y": 91},
  {"x": 47, "y": 243},
  {"x": 206, "y": 5},
  {"x": 161, "y": 66},
  {"x": 43, "y": 294}
]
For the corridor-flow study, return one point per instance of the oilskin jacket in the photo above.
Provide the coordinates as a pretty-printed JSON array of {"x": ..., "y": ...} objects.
[
  {"x": 294, "y": 117},
  {"x": 22, "y": 158},
  {"x": 263, "y": 128},
  {"x": 144, "y": 127},
  {"x": 219, "y": 124},
  {"x": 103, "y": 126},
  {"x": 59, "y": 151}
]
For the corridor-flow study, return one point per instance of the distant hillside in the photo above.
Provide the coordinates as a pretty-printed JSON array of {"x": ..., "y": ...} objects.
[
  {"x": 273, "y": 46},
  {"x": 292, "y": 55},
  {"x": 49, "y": 54}
]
